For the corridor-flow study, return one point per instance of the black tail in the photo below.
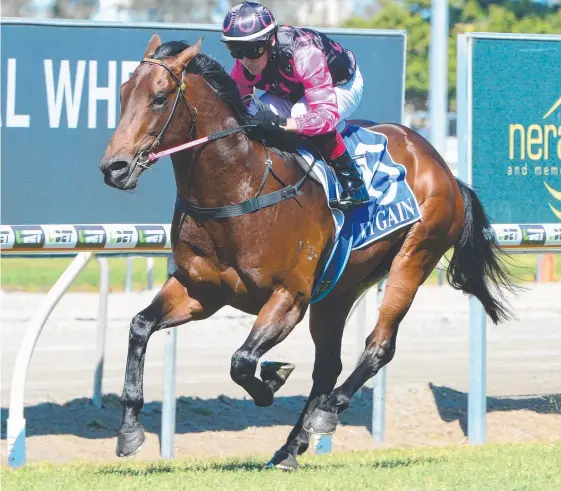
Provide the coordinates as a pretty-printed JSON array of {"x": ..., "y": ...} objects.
[{"x": 475, "y": 267}]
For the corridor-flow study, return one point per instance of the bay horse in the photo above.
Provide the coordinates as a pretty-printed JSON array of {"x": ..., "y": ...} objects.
[{"x": 265, "y": 262}]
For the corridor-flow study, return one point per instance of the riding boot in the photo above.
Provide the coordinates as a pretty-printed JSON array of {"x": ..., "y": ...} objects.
[{"x": 354, "y": 191}]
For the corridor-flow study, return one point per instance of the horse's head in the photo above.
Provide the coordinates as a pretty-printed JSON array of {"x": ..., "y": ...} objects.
[{"x": 155, "y": 112}]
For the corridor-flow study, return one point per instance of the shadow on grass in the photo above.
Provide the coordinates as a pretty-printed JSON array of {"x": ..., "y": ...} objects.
[
  {"x": 452, "y": 404},
  {"x": 78, "y": 417}
]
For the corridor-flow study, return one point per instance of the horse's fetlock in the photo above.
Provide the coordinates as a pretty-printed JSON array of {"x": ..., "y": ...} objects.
[
  {"x": 132, "y": 398},
  {"x": 243, "y": 366},
  {"x": 341, "y": 400}
]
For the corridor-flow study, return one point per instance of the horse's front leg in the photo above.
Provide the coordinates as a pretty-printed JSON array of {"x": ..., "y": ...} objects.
[
  {"x": 174, "y": 305},
  {"x": 275, "y": 321}
]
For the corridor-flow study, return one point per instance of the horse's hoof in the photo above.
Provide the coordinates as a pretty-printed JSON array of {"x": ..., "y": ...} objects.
[
  {"x": 282, "y": 460},
  {"x": 275, "y": 373},
  {"x": 265, "y": 397},
  {"x": 130, "y": 439},
  {"x": 321, "y": 422}
]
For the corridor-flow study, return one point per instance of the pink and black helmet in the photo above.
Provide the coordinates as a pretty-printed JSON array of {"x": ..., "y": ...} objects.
[{"x": 248, "y": 21}]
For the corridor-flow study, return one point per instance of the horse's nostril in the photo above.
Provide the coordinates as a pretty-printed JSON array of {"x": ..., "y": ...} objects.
[{"x": 118, "y": 165}]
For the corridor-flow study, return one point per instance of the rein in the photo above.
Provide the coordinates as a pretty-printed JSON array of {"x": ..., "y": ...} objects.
[
  {"x": 152, "y": 157},
  {"x": 146, "y": 157}
]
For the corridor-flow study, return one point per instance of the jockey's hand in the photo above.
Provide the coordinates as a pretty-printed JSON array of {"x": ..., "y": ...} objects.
[{"x": 269, "y": 121}]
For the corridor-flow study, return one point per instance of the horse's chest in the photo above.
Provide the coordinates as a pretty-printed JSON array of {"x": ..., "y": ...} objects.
[
  {"x": 233, "y": 283},
  {"x": 213, "y": 263}
]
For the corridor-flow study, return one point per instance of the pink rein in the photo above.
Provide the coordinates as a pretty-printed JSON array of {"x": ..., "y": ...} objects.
[{"x": 152, "y": 157}]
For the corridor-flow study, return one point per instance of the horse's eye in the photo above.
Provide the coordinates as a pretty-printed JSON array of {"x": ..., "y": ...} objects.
[{"x": 160, "y": 99}]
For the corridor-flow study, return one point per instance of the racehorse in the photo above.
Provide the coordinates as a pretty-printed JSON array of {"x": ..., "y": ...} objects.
[{"x": 262, "y": 255}]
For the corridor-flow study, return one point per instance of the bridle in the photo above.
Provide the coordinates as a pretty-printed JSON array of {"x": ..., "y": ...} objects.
[{"x": 142, "y": 157}]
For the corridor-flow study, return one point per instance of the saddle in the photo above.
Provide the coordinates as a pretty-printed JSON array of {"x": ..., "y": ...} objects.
[{"x": 391, "y": 207}]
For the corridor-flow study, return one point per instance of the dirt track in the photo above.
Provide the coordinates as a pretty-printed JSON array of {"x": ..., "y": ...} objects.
[{"x": 427, "y": 380}]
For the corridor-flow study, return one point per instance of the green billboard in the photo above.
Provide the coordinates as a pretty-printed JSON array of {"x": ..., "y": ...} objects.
[
  {"x": 509, "y": 124},
  {"x": 59, "y": 99}
]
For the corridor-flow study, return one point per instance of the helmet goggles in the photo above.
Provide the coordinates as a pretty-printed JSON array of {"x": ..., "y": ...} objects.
[{"x": 247, "y": 50}]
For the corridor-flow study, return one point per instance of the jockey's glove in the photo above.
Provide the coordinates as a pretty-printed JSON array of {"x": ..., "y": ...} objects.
[{"x": 269, "y": 121}]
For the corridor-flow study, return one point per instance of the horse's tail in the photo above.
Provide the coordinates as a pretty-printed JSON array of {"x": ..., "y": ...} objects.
[{"x": 475, "y": 267}]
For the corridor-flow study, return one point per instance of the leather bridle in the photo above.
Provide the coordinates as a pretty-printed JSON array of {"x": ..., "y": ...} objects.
[{"x": 142, "y": 156}]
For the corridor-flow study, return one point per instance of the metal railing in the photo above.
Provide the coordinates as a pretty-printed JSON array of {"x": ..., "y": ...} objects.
[{"x": 88, "y": 241}]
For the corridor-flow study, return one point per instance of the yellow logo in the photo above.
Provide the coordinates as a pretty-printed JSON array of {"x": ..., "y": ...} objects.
[
  {"x": 556, "y": 194},
  {"x": 553, "y": 108},
  {"x": 535, "y": 150},
  {"x": 536, "y": 141}
]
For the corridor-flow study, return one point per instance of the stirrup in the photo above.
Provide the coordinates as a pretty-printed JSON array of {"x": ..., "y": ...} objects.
[
  {"x": 362, "y": 198},
  {"x": 334, "y": 203},
  {"x": 343, "y": 205}
]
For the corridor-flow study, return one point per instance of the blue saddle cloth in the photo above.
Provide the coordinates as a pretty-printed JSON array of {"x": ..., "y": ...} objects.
[{"x": 392, "y": 203}]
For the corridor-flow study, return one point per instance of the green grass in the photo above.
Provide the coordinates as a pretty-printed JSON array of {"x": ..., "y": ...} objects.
[
  {"x": 490, "y": 467},
  {"x": 39, "y": 275}
]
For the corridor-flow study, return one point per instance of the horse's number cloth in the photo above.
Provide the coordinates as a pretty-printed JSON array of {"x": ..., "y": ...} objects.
[{"x": 392, "y": 203}]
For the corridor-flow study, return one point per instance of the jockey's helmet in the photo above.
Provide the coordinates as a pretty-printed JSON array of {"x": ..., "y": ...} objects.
[{"x": 247, "y": 29}]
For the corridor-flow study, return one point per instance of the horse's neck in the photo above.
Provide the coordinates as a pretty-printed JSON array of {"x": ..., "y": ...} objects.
[{"x": 222, "y": 171}]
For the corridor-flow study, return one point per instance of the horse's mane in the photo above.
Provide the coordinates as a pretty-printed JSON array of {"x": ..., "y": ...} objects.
[{"x": 227, "y": 89}]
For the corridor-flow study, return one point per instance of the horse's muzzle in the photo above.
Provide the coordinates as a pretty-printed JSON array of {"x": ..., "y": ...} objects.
[{"x": 116, "y": 172}]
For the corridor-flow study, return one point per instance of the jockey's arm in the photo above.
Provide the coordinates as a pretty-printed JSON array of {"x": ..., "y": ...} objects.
[
  {"x": 312, "y": 70},
  {"x": 245, "y": 86}
]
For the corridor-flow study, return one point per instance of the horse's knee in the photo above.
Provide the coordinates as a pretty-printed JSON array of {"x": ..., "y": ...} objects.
[
  {"x": 243, "y": 366},
  {"x": 141, "y": 328}
]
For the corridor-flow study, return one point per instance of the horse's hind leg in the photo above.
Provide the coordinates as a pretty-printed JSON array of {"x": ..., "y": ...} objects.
[
  {"x": 410, "y": 268},
  {"x": 327, "y": 322},
  {"x": 171, "y": 307}
]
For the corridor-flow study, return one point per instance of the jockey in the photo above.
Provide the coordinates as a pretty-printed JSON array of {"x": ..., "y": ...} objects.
[{"x": 311, "y": 85}]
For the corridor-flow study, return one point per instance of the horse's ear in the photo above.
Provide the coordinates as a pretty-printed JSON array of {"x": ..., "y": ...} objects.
[
  {"x": 183, "y": 58},
  {"x": 153, "y": 44}
]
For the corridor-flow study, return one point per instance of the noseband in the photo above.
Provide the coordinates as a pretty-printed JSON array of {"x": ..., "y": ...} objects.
[{"x": 142, "y": 156}]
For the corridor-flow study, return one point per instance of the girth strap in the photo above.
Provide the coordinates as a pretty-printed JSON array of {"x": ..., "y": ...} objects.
[{"x": 249, "y": 206}]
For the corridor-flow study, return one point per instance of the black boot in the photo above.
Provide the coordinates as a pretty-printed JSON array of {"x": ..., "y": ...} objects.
[{"x": 354, "y": 191}]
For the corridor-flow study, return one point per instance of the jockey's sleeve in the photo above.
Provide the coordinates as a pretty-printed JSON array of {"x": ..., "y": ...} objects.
[
  {"x": 311, "y": 69},
  {"x": 245, "y": 85}
]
